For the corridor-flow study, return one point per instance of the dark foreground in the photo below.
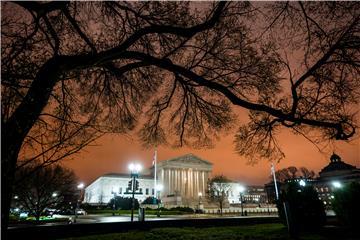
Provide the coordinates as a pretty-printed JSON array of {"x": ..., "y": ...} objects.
[
  {"x": 275, "y": 231},
  {"x": 220, "y": 228}
]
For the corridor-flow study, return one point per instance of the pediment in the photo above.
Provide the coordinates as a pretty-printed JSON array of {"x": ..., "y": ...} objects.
[{"x": 188, "y": 159}]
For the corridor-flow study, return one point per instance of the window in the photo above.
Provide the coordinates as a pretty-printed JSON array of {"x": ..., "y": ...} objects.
[
  {"x": 153, "y": 191},
  {"x": 120, "y": 190},
  {"x": 147, "y": 191},
  {"x": 140, "y": 189}
]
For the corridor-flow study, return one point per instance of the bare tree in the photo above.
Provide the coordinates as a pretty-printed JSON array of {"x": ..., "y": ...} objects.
[
  {"x": 293, "y": 171},
  {"x": 306, "y": 173},
  {"x": 47, "y": 187},
  {"x": 282, "y": 175},
  {"x": 218, "y": 190},
  {"x": 72, "y": 71}
]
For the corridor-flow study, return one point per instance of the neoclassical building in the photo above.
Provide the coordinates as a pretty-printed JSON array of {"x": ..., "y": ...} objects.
[
  {"x": 184, "y": 180},
  {"x": 335, "y": 174}
]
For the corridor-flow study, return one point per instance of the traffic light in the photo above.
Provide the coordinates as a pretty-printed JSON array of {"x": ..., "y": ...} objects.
[
  {"x": 130, "y": 185},
  {"x": 136, "y": 185}
]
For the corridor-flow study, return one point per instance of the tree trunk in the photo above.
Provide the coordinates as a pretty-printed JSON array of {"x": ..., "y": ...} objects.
[
  {"x": 37, "y": 218},
  {"x": 221, "y": 209},
  {"x": 16, "y": 128}
]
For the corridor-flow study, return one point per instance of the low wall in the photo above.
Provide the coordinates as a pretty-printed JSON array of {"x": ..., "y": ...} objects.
[{"x": 238, "y": 210}]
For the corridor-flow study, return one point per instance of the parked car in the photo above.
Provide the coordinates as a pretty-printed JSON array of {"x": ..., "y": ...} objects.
[
  {"x": 81, "y": 212},
  {"x": 64, "y": 212}
]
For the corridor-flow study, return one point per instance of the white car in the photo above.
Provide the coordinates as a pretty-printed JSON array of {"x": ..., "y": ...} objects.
[{"x": 81, "y": 212}]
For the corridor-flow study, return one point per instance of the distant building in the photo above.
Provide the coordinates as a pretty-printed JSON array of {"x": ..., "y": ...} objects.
[
  {"x": 184, "y": 180},
  {"x": 334, "y": 175},
  {"x": 270, "y": 190}
]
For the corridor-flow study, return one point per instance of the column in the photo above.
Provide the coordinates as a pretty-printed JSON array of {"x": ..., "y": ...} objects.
[
  {"x": 189, "y": 183},
  {"x": 176, "y": 181},
  {"x": 169, "y": 181},
  {"x": 203, "y": 182}
]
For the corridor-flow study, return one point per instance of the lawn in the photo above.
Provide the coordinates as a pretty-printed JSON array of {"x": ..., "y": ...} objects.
[{"x": 252, "y": 232}]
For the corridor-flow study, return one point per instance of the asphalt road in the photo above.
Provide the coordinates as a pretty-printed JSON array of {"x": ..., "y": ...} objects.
[{"x": 96, "y": 218}]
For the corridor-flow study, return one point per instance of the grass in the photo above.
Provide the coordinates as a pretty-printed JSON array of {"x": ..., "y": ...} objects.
[{"x": 252, "y": 232}]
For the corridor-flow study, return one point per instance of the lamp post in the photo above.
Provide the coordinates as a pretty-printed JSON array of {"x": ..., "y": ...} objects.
[
  {"x": 79, "y": 187},
  {"x": 302, "y": 183},
  {"x": 134, "y": 168},
  {"x": 336, "y": 184},
  {"x": 114, "y": 206},
  {"x": 241, "y": 190},
  {"x": 159, "y": 188},
  {"x": 199, "y": 195}
]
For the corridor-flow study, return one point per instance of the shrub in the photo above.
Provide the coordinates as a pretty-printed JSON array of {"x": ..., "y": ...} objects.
[
  {"x": 151, "y": 200},
  {"x": 306, "y": 210},
  {"x": 123, "y": 203},
  {"x": 346, "y": 204},
  {"x": 182, "y": 209}
]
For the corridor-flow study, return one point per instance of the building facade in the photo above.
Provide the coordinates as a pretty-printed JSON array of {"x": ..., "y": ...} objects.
[
  {"x": 104, "y": 188},
  {"x": 184, "y": 180},
  {"x": 336, "y": 174}
]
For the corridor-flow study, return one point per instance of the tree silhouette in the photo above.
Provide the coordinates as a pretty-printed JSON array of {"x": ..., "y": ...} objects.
[
  {"x": 48, "y": 187},
  {"x": 282, "y": 175},
  {"x": 72, "y": 71}
]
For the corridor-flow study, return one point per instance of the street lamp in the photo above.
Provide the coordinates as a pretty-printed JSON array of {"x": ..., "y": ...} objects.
[
  {"x": 336, "y": 184},
  {"x": 241, "y": 189},
  {"x": 199, "y": 195},
  {"x": 302, "y": 183},
  {"x": 158, "y": 189},
  {"x": 80, "y": 186},
  {"x": 114, "y": 193},
  {"x": 134, "y": 168}
]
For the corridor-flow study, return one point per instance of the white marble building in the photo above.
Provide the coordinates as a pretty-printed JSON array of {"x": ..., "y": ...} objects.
[
  {"x": 184, "y": 180},
  {"x": 103, "y": 189}
]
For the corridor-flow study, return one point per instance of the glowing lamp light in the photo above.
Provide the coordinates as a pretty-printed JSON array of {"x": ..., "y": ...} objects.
[
  {"x": 241, "y": 188},
  {"x": 135, "y": 167},
  {"x": 302, "y": 183},
  {"x": 159, "y": 187},
  {"x": 336, "y": 184},
  {"x": 200, "y": 194},
  {"x": 80, "y": 186},
  {"x": 54, "y": 194}
]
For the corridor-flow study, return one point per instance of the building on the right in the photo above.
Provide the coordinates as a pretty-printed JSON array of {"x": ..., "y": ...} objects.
[{"x": 334, "y": 175}]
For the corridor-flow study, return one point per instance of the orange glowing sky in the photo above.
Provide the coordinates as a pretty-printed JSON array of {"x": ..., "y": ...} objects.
[{"x": 113, "y": 153}]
